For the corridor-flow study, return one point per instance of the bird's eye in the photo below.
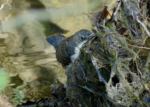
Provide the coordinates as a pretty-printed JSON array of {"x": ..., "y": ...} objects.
[{"x": 82, "y": 38}]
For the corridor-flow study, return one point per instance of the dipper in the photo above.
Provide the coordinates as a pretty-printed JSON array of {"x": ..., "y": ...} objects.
[{"x": 68, "y": 49}]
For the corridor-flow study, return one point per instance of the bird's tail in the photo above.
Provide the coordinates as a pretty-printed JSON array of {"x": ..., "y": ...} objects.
[{"x": 55, "y": 40}]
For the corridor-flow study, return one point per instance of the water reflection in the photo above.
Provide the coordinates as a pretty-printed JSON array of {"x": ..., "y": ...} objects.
[{"x": 24, "y": 51}]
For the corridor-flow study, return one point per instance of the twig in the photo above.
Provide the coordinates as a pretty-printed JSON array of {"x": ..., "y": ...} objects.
[
  {"x": 143, "y": 26},
  {"x": 98, "y": 72},
  {"x": 2, "y": 6},
  {"x": 138, "y": 68},
  {"x": 117, "y": 10},
  {"x": 95, "y": 28},
  {"x": 139, "y": 47}
]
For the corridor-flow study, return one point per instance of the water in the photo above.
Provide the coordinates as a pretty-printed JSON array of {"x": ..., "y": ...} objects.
[{"x": 24, "y": 52}]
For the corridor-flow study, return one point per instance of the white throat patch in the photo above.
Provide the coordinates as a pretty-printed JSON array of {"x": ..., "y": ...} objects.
[{"x": 77, "y": 51}]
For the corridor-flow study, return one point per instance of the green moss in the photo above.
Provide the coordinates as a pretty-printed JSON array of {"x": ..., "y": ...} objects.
[{"x": 19, "y": 94}]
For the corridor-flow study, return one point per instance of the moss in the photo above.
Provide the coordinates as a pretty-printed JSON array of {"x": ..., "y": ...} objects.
[{"x": 19, "y": 94}]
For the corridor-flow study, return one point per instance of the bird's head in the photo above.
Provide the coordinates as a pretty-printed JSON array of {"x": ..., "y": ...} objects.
[{"x": 82, "y": 36}]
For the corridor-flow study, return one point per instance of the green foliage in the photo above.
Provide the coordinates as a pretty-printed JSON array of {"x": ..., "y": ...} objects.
[{"x": 4, "y": 79}]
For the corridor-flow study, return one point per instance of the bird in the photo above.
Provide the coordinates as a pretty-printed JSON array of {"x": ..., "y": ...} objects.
[{"x": 68, "y": 49}]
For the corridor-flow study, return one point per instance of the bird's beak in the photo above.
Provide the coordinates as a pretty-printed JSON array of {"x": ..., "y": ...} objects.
[{"x": 91, "y": 35}]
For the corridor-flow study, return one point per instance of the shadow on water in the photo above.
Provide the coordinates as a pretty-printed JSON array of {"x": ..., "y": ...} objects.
[
  {"x": 53, "y": 28},
  {"x": 28, "y": 58}
]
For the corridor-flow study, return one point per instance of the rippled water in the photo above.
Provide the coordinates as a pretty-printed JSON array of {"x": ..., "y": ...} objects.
[{"x": 24, "y": 51}]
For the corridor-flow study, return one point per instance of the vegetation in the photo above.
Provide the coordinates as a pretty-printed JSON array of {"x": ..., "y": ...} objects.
[
  {"x": 113, "y": 67},
  {"x": 120, "y": 59},
  {"x": 4, "y": 79}
]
